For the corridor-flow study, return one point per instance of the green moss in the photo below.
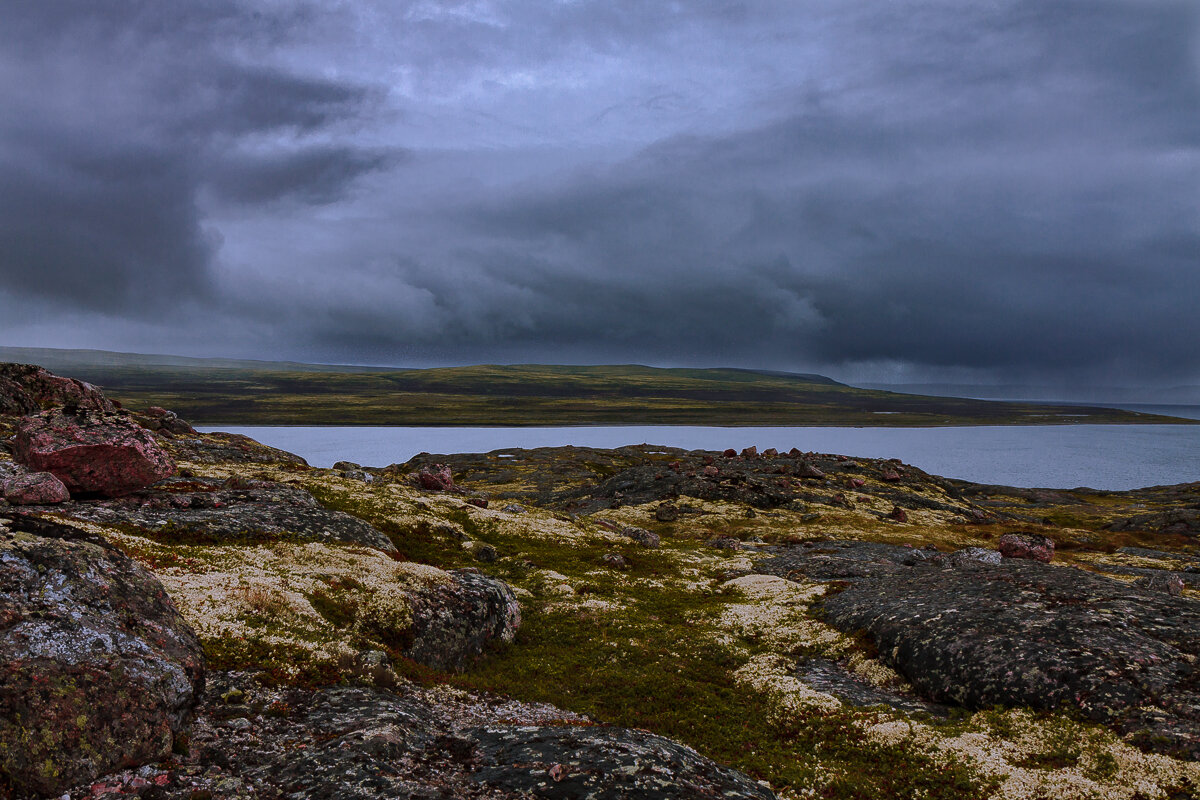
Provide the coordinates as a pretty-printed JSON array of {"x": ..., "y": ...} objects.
[
  {"x": 645, "y": 668},
  {"x": 274, "y": 663}
]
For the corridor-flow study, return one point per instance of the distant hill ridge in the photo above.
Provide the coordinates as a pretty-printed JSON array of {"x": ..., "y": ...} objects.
[
  {"x": 216, "y": 391},
  {"x": 67, "y": 359}
]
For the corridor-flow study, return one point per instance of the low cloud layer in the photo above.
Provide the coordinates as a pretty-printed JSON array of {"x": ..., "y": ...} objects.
[{"x": 907, "y": 191}]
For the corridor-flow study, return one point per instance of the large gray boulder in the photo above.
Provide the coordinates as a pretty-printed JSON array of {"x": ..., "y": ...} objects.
[
  {"x": 454, "y": 624},
  {"x": 1026, "y": 634},
  {"x": 97, "y": 668}
]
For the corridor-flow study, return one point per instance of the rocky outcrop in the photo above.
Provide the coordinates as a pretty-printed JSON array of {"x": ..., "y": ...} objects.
[
  {"x": 33, "y": 488},
  {"x": 586, "y": 480},
  {"x": 166, "y": 422},
  {"x": 360, "y": 744},
  {"x": 1185, "y": 521},
  {"x": 201, "y": 511},
  {"x": 1022, "y": 633},
  {"x": 217, "y": 448},
  {"x": 28, "y": 389},
  {"x": 91, "y": 452},
  {"x": 453, "y": 625},
  {"x": 97, "y": 668}
]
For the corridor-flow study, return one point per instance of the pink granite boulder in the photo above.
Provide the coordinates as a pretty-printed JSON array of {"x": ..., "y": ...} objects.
[
  {"x": 437, "y": 478},
  {"x": 35, "y": 489},
  {"x": 1032, "y": 546},
  {"x": 26, "y": 389},
  {"x": 91, "y": 453}
]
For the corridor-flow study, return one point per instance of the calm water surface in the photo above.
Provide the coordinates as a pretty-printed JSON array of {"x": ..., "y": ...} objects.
[{"x": 1059, "y": 456}]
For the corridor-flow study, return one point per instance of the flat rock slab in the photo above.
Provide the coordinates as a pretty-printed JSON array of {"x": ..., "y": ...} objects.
[
  {"x": 209, "y": 512},
  {"x": 97, "y": 667},
  {"x": 360, "y": 744},
  {"x": 832, "y": 678},
  {"x": 842, "y": 560},
  {"x": 221, "y": 448},
  {"x": 1022, "y": 633}
]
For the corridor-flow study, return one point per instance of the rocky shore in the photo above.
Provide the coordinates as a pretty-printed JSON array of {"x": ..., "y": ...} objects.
[{"x": 199, "y": 616}]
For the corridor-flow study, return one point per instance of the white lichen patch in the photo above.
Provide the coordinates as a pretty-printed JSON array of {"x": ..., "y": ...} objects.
[
  {"x": 771, "y": 675},
  {"x": 1139, "y": 562},
  {"x": 775, "y": 612},
  {"x": 1037, "y": 756},
  {"x": 267, "y": 592}
]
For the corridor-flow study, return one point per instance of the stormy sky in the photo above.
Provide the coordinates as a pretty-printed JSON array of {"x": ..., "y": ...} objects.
[{"x": 992, "y": 191}]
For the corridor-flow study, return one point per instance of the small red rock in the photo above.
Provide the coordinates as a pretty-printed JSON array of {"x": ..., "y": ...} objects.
[
  {"x": 1032, "y": 546},
  {"x": 35, "y": 488},
  {"x": 710, "y": 471},
  {"x": 437, "y": 478},
  {"x": 730, "y": 453},
  {"x": 890, "y": 475},
  {"x": 750, "y": 452}
]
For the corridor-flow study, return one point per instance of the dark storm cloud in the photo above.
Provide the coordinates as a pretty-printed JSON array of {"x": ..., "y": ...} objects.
[
  {"x": 121, "y": 115},
  {"x": 1009, "y": 188},
  {"x": 315, "y": 175}
]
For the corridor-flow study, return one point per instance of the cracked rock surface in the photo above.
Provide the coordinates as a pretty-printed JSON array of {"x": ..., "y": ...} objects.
[
  {"x": 1022, "y": 633},
  {"x": 422, "y": 744}
]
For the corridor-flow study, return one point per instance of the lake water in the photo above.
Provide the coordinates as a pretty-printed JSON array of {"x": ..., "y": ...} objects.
[{"x": 1057, "y": 456}]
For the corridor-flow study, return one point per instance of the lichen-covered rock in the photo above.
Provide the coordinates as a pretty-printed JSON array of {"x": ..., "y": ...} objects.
[
  {"x": 453, "y": 624},
  {"x": 601, "y": 763},
  {"x": 1176, "y": 520},
  {"x": 27, "y": 389},
  {"x": 667, "y": 512},
  {"x": 586, "y": 480},
  {"x": 216, "y": 448},
  {"x": 969, "y": 556},
  {"x": 424, "y": 744},
  {"x": 166, "y": 422},
  {"x": 1022, "y": 633},
  {"x": 97, "y": 668},
  {"x": 1026, "y": 545},
  {"x": 1166, "y": 583},
  {"x": 34, "y": 488},
  {"x": 91, "y": 452},
  {"x": 642, "y": 536}
]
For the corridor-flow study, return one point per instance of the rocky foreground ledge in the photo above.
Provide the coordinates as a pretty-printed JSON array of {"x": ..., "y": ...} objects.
[{"x": 199, "y": 616}]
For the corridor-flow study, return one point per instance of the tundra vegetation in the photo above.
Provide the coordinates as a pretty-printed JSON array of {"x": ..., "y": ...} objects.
[{"x": 656, "y": 593}]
